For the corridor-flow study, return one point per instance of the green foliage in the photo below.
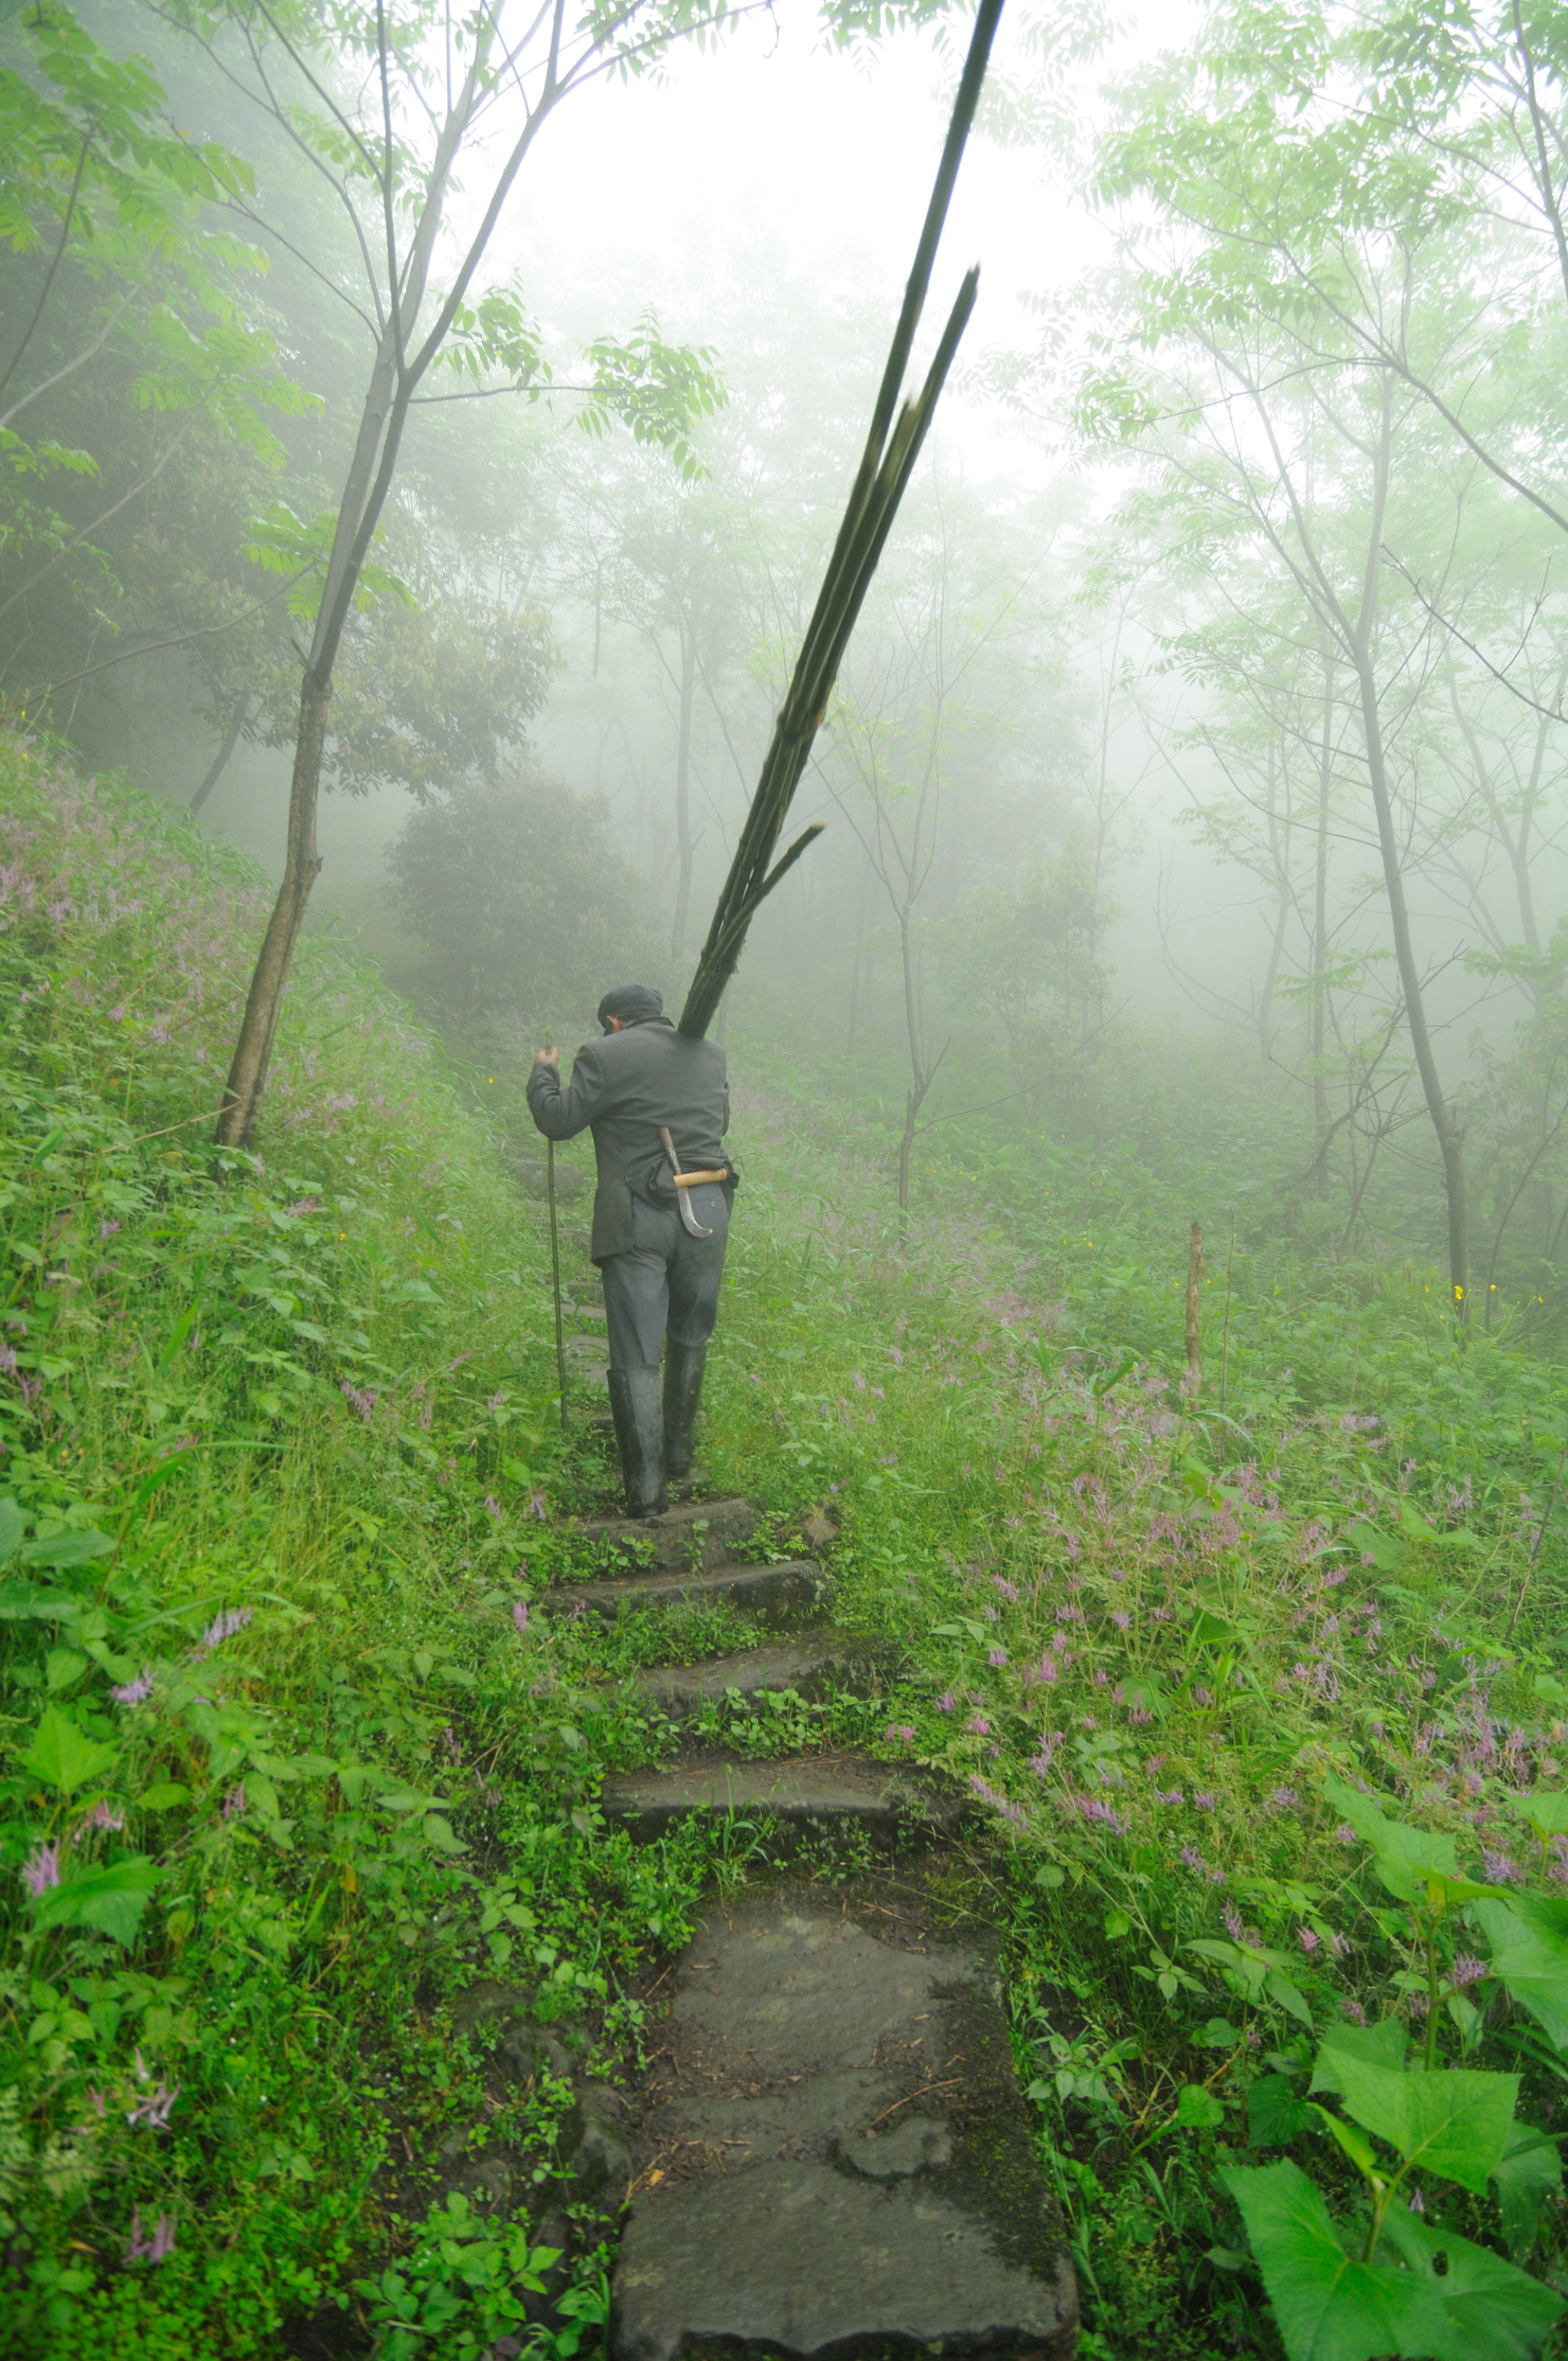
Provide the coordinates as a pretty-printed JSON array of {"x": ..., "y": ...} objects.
[
  {"x": 1442, "y": 2300},
  {"x": 466, "y": 2281},
  {"x": 119, "y": 274},
  {"x": 522, "y": 901},
  {"x": 276, "y": 1458}
]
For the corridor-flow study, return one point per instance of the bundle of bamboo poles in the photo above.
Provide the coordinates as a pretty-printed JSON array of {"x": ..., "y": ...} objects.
[{"x": 892, "y": 449}]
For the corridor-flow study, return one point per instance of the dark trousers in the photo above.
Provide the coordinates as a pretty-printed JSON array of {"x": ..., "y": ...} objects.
[{"x": 667, "y": 1283}]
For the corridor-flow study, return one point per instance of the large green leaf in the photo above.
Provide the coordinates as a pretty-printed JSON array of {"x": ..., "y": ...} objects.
[
  {"x": 1451, "y": 2123},
  {"x": 13, "y": 1525},
  {"x": 1276, "y": 2115},
  {"x": 63, "y": 1756},
  {"x": 1530, "y": 2172},
  {"x": 1409, "y": 1859},
  {"x": 1328, "y": 2306},
  {"x": 1492, "y": 2312},
  {"x": 1531, "y": 1961},
  {"x": 1383, "y": 2044},
  {"x": 113, "y": 1900},
  {"x": 21, "y": 1602},
  {"x": 1546, "y": 1811},
  {"x": 1434, "y": 2298},
  {"x": 63, "y": 1550}
]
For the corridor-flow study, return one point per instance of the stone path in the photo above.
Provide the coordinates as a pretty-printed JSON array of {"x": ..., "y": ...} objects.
[{"x": 831, "y": 2159}]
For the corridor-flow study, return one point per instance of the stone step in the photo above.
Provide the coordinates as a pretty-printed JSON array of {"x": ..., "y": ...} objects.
[
  {"x": 806, "y": 1666},
  {"x": 694, "y": 1532},
  {"x": 817, "y": 1790},
  {"x": 778, "y": 1597},
  {"x": 831, "y": 2153}
]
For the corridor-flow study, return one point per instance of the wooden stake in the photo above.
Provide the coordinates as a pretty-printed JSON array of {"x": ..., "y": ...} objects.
[
  {"x": 555, "y": 1268},
  {"x": 1194, "y": 1381}
]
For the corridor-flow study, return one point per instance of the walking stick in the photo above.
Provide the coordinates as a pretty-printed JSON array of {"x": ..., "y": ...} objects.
[{"x": 555, "y": 1268}]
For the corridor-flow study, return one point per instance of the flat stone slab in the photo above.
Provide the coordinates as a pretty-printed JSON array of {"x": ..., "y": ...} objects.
[
  {"x": 773, "y": 1595},
  {"x": 832, "y": 2159},
  {"x": 807, "y": 1666},
  {"x": 694, "y": 1533},
  {"x": 831, "y": 1790}
]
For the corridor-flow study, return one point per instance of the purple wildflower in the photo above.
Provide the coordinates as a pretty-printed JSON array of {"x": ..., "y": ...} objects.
[
  {"x": 902, "y": 1730},
  {"x": 1007, "y": 1589},
  {"x": 1204, "y": 1800},
  {"x": 988, "y": 1794},
  {"x": 143, "y": 2248},
  {"x": 1500, "y": 1868},
  {"x": 1353, "y": 2010},
  {"x": 361, "y": 1400},
  {"x": 946, "y": 1702},
  {"x": 40, "y": 1871},
  {"x": 1345, "y": 1833},
  {"x": 135, "y": 1692},
  {"x": 1169, "y": 1795},
  {"x": 1283, "y": 1798},
  {"x": 1307, "y": 1939},
  {"x": 153, "y": 2111},
  {"x": 222, "y": 1626},
  {"x": 1467, "y": 1970},
  {"x": 997, "y": 1656},
  {"x": 520, "y": 1615},
  {"x": 1096, "y": 1810},
  {"x": 1123, "y": 1621},
  {"x": 233, "y": 1802},
  {"x": 492, "y": 1506},
  {"x": 979, "y": 1724}
]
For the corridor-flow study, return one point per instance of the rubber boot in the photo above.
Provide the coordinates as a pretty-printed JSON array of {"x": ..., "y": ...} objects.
[
  {"x": 683, "y": 1392},
  {"x": 634, "y": 1406}
]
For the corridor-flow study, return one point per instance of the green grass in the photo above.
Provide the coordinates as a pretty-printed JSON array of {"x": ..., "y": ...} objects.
[{"x": 314, "y": 1390}]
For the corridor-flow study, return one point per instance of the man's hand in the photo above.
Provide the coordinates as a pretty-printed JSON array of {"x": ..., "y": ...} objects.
[{"x": 548, "y": 1057}]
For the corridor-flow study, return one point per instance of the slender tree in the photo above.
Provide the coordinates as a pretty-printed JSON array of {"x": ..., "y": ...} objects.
[{"x": 436, "y": 85}]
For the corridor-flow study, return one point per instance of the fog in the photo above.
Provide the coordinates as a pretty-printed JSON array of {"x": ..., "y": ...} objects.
[{"x": 1205, "y": 702}]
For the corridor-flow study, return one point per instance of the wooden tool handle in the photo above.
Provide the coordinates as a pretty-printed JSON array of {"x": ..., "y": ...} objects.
[{"x": 693, "y": 1180}]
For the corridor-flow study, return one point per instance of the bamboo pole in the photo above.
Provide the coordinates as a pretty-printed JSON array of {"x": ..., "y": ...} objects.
[{"x": 893, "y": 445}]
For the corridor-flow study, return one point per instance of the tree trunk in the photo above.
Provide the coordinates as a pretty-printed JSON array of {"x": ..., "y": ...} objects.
[
  {"x": 221, "y": 759},
  {"x": 682, "y": 792},
  {"x": 861, "y": 958},
  {"x": 1319, "y": 1004},
  {"x": 1450, "y": 1138},
  {"x": 1279, "y": 854},
  {"x": 253, "y": 1050},
  {"x": 920, "y": 1080}
]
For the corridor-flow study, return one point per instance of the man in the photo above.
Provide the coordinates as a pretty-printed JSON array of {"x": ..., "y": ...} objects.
[{"x": 661, "y": 1269}]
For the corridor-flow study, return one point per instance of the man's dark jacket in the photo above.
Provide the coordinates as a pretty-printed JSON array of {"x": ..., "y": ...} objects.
[{"x": 623, "y": 1087}]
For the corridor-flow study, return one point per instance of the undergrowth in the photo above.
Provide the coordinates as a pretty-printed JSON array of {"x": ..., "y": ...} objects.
[{"x": 293, "y": 1755}]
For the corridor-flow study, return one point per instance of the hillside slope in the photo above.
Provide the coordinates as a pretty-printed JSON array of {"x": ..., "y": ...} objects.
[{"x": 289, "y": 1759}]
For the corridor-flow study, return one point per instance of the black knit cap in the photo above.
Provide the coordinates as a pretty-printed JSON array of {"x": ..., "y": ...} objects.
[{"x": 632, "y": 1002}]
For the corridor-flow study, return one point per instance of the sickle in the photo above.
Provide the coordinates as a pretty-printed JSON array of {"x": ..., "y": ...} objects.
[{"x": 693, "y": 1226}]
